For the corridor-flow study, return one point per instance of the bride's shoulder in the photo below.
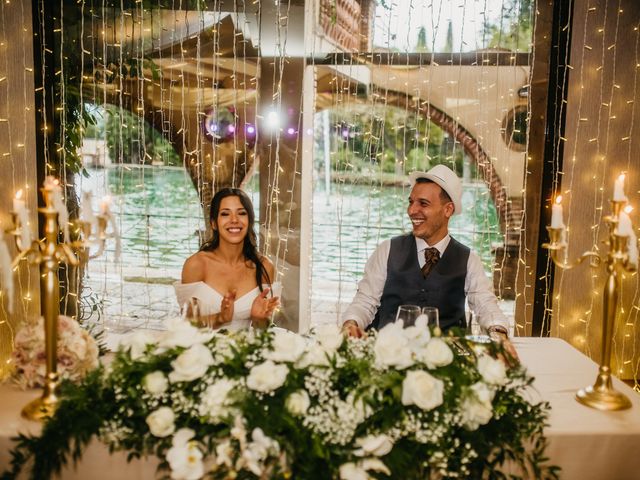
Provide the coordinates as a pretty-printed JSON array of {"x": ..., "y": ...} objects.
[{"x": 194, "y": 268}]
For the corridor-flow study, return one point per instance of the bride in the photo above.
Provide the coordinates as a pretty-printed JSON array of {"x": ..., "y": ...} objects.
[{"x": 229, "y": 280}]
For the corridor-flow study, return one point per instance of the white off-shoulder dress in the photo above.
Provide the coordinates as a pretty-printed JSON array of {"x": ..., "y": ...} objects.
[{"x": 209, "y": 301}]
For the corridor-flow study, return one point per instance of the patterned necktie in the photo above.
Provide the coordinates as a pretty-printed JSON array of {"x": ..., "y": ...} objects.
[{"x": 431, "y": 256}]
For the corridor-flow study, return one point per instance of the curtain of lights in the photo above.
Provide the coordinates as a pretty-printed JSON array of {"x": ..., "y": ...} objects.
[
  {"x": 162, "y": 103},
  {"x": 600, "y": 142}
]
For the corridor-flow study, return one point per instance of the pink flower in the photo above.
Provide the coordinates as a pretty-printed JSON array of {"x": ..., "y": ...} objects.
[{"x": 77, "y": 352}]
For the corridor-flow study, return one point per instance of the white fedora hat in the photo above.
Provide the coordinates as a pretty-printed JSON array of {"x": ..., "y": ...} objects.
[{"x": 448, "y": 181}]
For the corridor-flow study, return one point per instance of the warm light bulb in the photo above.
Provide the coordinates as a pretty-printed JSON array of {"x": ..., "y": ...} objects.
[
  {"x": 19, "y": 194},
  {"x": 628, "y": 209},
  {"x": 273, "y": 119},
  {"x": 559, "y": 199}
]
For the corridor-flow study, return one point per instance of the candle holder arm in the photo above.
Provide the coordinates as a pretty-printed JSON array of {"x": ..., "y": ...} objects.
[{"x": 594, "y": 260}]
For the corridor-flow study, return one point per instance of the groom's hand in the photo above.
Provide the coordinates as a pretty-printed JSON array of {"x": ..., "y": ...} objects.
[{"x": 352, "y": 329}]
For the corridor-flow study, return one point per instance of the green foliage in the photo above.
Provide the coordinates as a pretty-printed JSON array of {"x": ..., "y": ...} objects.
[
  {"x": 72, "y": 118},
  {"x": 514, "y": 31},
  {"x": 385, "y": 139},
  {"x": 421, "y": 44},
  {"x": 448, "y": 46},
  {"x": 352, "y": 394},
  {"x": 130, "y": 139},
  {"x": 61, "y": 440}
]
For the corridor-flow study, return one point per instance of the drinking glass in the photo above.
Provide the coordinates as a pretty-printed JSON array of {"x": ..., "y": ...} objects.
[
  {"x": 408, "y": 314},
  {"x": 190, "y": 310},
  {"x": 433, "y": 319}
]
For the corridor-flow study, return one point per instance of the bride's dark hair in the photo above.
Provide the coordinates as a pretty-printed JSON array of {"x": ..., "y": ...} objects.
[{"x": 249, "y": 247}]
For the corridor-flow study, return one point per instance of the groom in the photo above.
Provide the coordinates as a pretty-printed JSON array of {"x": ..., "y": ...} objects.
[{"x": 427, "y": 267}]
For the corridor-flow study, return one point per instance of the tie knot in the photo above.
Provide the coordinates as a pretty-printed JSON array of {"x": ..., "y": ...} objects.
[{"x": 431, "y": 255}]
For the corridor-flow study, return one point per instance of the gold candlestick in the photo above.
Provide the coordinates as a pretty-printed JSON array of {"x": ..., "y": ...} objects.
[
  {"x": 48, "y": 254},
  {"x": 601, "y": 394}
]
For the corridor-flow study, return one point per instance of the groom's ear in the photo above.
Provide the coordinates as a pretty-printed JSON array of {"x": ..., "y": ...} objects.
[{"x": 449, "y": 209}]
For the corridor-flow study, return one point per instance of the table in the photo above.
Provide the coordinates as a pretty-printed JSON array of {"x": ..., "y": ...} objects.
[{"x": 586, "y": 443}]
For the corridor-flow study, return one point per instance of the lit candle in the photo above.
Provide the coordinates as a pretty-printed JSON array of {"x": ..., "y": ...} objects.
[
  {"x": 618, "y": 189},
  {"x": 20, "y": 209},
  {"x": 624, "y": 228},
  {"x": 53, "y": 186},
  {"x": 557, "y": 220},
  {"x": 7, "y": 272}
]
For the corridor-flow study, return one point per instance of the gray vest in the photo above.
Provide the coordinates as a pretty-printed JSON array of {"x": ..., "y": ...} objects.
[{"x": 443, "y": 288}]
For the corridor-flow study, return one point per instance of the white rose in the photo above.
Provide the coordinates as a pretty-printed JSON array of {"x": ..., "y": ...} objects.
[
  {"x": 358, "y": 471},
  {"x": 315, "y": 355},
  {"x": 376, "y": 445},
  {"x": 352, "y": 471},
  {"x": 392, "y": 347},
  {"x": 475, "y": 413},
  {"x": 418, "y": 334},
  {"x": 330, "y": 336},
  {"x": 483, "y": 392},
  {"x": 155, "y": 383},
  {"x": 287, "y": 347},
  {"x": 267, "y": 376},
  {"x": 161, "y": 422},
  {"x": 184, "y": 456},
  {"x": 258, "y": 450},
  {"x": 422, "y": 389},
  {"x": 298, "y": 402},
  {"x": 493, "y": 371},
  {"x": 191, "y": 364},
  {"x": 137, "y": 343},
  {"x": 180, "y": 333},
  {"x": 436, "y": 354},
  {"x": 215, "y": 398}
]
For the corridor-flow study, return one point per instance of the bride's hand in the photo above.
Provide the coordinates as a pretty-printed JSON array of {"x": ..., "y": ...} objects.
[
  {"x": 226, "y": 307},
  {"x": 262, "y": 307}
]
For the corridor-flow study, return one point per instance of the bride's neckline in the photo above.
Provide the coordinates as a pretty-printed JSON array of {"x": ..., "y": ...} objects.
[{"x": 222, "y": 296}]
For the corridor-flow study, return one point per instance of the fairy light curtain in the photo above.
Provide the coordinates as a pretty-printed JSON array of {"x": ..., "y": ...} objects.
[
  {"x": 600, "y": 142},
  {"x": 173, "y": 91},
  {"x": 191, "y": 71},
  {"x": 17, "y": 158},
  {"x": 417, "y": 111},
  {"x": 167, "y": 84}
]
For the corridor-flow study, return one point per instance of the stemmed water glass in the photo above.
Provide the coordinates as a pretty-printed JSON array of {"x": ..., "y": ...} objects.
[{"x": 408, "y": 314}]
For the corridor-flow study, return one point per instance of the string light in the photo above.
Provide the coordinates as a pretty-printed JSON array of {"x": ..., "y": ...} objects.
[
  {"x": 599, "y": 56},
  {"x": 211, "y": 167}
]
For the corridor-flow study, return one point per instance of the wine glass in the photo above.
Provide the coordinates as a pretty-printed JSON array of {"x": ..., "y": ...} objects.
[
  {"x": 190, "y": 310},
  {"x": 408, "y": 314},
  {"x": 433, "y": 318}
]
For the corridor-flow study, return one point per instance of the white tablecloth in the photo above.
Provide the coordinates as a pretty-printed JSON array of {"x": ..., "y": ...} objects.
[{"x": 586, "y": 443}]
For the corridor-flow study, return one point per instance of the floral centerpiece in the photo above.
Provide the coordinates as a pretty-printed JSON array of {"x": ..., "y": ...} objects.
[
  {"x": 401, "y": 403},
  {"x": 77, "y": 352}
]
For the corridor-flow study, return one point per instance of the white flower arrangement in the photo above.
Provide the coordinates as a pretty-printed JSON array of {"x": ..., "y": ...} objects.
[
  {"x": 77, "y": 352},
  {"x": 273, "y": 404}
]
